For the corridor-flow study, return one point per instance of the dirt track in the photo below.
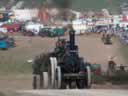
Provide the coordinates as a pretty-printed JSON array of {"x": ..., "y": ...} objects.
[
  {"x": 90, "y": 47},
  {"x": 91, "y": 92},
  {"x": 94, "y": 51}
]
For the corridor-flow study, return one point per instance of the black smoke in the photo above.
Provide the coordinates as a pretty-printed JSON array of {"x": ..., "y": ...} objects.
[{"x": 62, "y": 3}]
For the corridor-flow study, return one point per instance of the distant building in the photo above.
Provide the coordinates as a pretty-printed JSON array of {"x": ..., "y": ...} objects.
[{"x": 25, "y": 14}]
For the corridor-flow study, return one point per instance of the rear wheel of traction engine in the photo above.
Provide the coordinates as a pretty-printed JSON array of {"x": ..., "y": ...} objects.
[
  {"x": 60, "y": 84},
  {"x": 35, "y": 83},
  {"x": 58, "y": 77},
  {"x": 63, "y": 85},
  {"x": 44, "y": 80},
  {"x": 51, "y": 72},
  {"x": 80, "y": 84},
  {"x": 88, "y": 77},
  {"x": 55, "y": 62},
  {"x": 72, "y": 84}
]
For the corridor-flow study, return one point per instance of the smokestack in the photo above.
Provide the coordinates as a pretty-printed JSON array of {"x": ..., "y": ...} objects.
[{"x": 72, "y": 38}]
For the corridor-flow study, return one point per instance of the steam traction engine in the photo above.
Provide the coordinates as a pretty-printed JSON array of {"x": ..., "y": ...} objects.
[{"x": 62, "y": 68}]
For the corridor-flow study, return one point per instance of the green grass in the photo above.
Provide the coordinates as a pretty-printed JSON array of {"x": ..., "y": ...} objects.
[
  {"x": 120, "y": 78},
  {"x": 8, "y": 93},
  {"x": 99, "y": 79},
  {"x": 83, "y": 5},
  {"x": 2, "y": 94},
  {"x": 14, "y": 61},
  {"x": 14, "y": 64}
]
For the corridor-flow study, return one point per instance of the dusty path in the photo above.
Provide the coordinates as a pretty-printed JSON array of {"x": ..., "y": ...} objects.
[
  {"x": 90, "y": 47},
  {"x": 94, "y": 51},
  {"x": 91, "y": 92}
]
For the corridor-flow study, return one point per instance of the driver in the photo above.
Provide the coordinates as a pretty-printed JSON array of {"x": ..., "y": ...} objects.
[{"x": 60, "y": 48}]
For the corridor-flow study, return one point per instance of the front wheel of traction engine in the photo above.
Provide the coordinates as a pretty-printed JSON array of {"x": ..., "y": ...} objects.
[
  {"x": 58, "y": 77},
  {"x": 60, "y": 83}
]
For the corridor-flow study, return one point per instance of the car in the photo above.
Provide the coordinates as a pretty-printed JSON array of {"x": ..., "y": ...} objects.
[
  {"x": 33, "y": 27},
  {"x": 3, "y": 30},
  {"x": 12, "y": 27}
]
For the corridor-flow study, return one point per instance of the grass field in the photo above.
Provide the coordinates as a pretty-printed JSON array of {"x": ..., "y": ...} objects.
[
  {"x": 16, "y": 73},
  {"x": 14, "y": 61}
]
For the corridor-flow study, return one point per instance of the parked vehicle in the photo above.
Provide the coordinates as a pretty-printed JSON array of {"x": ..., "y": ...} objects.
[
  {"x": 44, "y": 32},
  {"x": 51, "y": 32},
  {"x": 6, "y": 42},
  {"x": 12, "y": 27},
  {"x": 58, "y": 31},
  {"x": 3, "y": 42},
  {"x": 33, "y": 27},
  {"x": 3, "y": 30}
]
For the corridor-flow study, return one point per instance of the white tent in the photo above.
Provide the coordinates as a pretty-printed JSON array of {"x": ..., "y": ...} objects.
[
  {"x": 25, "y": 14},
  {"x": 79, "y": 26}
]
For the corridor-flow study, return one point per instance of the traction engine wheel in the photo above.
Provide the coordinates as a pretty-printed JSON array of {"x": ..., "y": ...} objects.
[
  {"x": 80, "y": 84},
  {"x": 88, "y": 77},
  {"x": 58, "y": 77},
  {"x": 60, "y": 84},
  {"x": 51, "y": 72},
  {"x": 44, "y": 80}
]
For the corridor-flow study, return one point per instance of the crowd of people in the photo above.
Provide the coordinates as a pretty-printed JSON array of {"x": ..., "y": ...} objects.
[{"x": 120, "y": 32}]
